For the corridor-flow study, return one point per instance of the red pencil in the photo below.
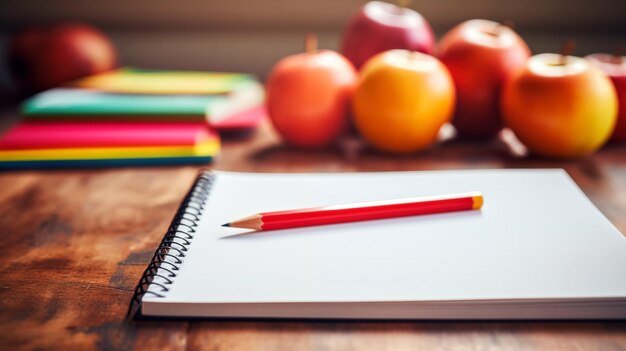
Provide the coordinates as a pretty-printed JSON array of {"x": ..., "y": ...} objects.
[{"x": 359, "y": 212}]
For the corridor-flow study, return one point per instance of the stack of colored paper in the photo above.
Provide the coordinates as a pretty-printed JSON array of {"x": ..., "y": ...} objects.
[
  {"x": 222, "y": 100},
  {"x": 132, "y": 117},
  {"x": 56, "y": 145}
]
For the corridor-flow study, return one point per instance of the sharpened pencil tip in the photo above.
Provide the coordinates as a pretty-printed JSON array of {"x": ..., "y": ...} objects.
[{"x": 226, "y": 225}]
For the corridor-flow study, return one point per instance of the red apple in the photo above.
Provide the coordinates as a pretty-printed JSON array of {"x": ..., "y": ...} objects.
[
  {"x": 44, "y": 57},
  {"x": 308, "y": 97},
  {"x": 615, "y": 68},
  {"x": 380, "y": 26},
  {"x": 480, "y": 55}
]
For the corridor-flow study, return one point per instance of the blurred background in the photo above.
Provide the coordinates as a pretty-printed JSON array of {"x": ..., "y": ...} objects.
[{"x": 251, "y": 35}]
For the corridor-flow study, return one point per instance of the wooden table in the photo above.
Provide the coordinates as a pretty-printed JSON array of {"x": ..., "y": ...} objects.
[{"x": 74, "y": 243}]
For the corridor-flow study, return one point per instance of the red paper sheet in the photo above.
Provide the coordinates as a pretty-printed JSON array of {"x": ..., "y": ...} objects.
[{"x": 33, "y": 135}]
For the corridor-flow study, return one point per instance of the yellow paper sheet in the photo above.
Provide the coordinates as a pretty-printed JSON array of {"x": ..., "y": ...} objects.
[
  {"x": 131, "y": 81},
  {"x": 205, "y": 148}
]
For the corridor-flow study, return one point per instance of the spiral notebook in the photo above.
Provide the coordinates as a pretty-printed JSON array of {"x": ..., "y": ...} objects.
[{"x": 538, "y": 249}]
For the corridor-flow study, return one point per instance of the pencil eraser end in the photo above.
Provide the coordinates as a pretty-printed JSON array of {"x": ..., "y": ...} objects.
[{"x": 477, "y": 201}]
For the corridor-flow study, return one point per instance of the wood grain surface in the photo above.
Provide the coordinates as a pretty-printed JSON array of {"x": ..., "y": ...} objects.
[{"x": 74, "y": 243}]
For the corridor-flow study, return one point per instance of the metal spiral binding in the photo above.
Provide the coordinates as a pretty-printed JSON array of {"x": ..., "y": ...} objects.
[{"x": 175, "y": 243}]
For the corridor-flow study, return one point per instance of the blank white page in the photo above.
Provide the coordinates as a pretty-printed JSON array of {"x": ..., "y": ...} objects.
[{"x": 536, "y": 237}]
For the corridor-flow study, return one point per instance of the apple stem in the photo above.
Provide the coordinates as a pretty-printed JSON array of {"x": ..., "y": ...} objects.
[
  {"x": 617, "y": 54},
  {"x": 499, "y": 27},
  {"x": 414, "y": 55},
  {"x": 310, "y": 43},
  {"x": 568, "y": 49}
]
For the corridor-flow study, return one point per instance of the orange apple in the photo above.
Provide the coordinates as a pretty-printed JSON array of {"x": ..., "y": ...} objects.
[
  {"x": 560, "y": 106},
  {"x": 480, "y": 55},
  {"x": 47, "y": 56},
  {"x": 402, "y": 100},
  {"x": 308, "y": 97}
]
